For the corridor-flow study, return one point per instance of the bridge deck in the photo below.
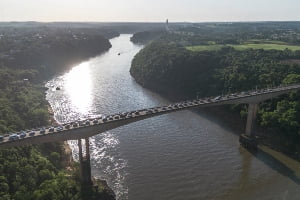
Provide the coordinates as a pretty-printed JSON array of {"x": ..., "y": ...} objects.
[{"x": 90, "y": 127}]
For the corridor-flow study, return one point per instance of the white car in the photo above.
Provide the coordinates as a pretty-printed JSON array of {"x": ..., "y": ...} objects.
[{"x": 13, "y": 137}]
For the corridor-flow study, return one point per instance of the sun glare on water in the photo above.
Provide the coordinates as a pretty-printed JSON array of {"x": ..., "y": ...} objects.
[{"x": 79, "y": 87}]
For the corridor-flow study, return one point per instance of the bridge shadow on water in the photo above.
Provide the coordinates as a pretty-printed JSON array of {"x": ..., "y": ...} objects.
[
  {"x": 276, "y": 164},
  {"x": 235, "y": 125},
  {"x": 219, "y": 115}
]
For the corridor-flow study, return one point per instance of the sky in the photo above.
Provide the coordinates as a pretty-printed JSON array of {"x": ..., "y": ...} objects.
[{"x": 149, "y": 10}]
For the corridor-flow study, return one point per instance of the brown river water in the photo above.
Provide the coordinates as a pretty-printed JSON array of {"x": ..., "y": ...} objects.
[{"x": 178, "y": 156}]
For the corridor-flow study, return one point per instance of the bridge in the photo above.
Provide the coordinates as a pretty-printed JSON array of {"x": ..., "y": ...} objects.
[{"x": 79, "y": 130}]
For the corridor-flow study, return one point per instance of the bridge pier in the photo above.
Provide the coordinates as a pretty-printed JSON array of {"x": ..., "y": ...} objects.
[
  {"x": 248, "y": 139},
  {"x": 85, "y": 164}
]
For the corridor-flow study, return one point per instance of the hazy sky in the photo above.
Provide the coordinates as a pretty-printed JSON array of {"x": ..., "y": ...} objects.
[{"x": 149, "y": 10}]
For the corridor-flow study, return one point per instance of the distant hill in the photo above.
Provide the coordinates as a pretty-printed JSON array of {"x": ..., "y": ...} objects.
[{"x": 146, "y": 36}]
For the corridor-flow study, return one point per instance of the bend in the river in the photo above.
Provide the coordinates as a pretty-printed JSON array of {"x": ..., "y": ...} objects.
[{"x": 176, "y": 156}]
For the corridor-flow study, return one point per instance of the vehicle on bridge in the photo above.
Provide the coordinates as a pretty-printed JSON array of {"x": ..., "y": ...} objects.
[
  {"x": 59, "y": 128},
  {"x": 51, "y": 129},
  {"x": 31, "y": 133},
  {"x": 14, "y": 137},
  {"x": 218, "y": 98},
  {"x": 42, "y": 130},
  {"x": 67, "y": 126},
  {"x": 22, "y": 134},
  {"x": 75, "y": 124}
]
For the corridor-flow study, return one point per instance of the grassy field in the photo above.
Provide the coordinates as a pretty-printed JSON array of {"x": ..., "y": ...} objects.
[
  {"x": 266, "y": 46},
  {"x": 257, "y": 41}
]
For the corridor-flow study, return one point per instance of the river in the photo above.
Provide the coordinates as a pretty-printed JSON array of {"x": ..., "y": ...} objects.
[{"x": 176, "y": 156}]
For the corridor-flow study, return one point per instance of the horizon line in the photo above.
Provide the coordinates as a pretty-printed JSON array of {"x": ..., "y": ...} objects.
[{"x": 242, "y": 21}]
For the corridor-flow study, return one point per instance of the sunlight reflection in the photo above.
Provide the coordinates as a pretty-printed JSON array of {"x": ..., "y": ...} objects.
[{"x": 79, "y": 87}]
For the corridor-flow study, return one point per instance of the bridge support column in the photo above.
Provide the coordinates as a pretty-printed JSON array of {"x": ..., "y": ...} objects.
[
  {"x": 248, "y": 139},
  {"x": 80, "y": 158},
  {"x": 88, "y": 173},
  {"x": 252, "y": 111},
  {"x": 84, "y": 163}
]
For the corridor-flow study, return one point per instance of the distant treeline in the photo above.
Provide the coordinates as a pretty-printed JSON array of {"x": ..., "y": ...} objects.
[
  {"x": 146, "y": 36},
  {"x": 190, "y": 34}
]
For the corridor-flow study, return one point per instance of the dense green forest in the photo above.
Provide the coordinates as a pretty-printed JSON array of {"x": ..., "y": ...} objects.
[
  {"x": 47, "y": 50},
  {"x": 168, "y": 67},
  {"x": 26, "y": 61},
  {"x": 26, "y": 173},
  {"x": 146, "y": 36}
]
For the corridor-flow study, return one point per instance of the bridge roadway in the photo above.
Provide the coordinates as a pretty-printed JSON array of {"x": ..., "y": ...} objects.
[{"x": 90, "y": 127}]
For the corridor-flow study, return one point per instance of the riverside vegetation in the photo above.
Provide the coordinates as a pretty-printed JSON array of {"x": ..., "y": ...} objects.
[
  {"x": 28, "y": 57},
  {"x": 169, "y": 65}
]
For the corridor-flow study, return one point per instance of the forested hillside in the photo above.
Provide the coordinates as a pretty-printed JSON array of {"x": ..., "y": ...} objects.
[
  {"x": 146, "y": 36},
  {"x": 167, "y": 66},
  {"x": 48, "y": 50},
  {"x": 27, "y": 59}
]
